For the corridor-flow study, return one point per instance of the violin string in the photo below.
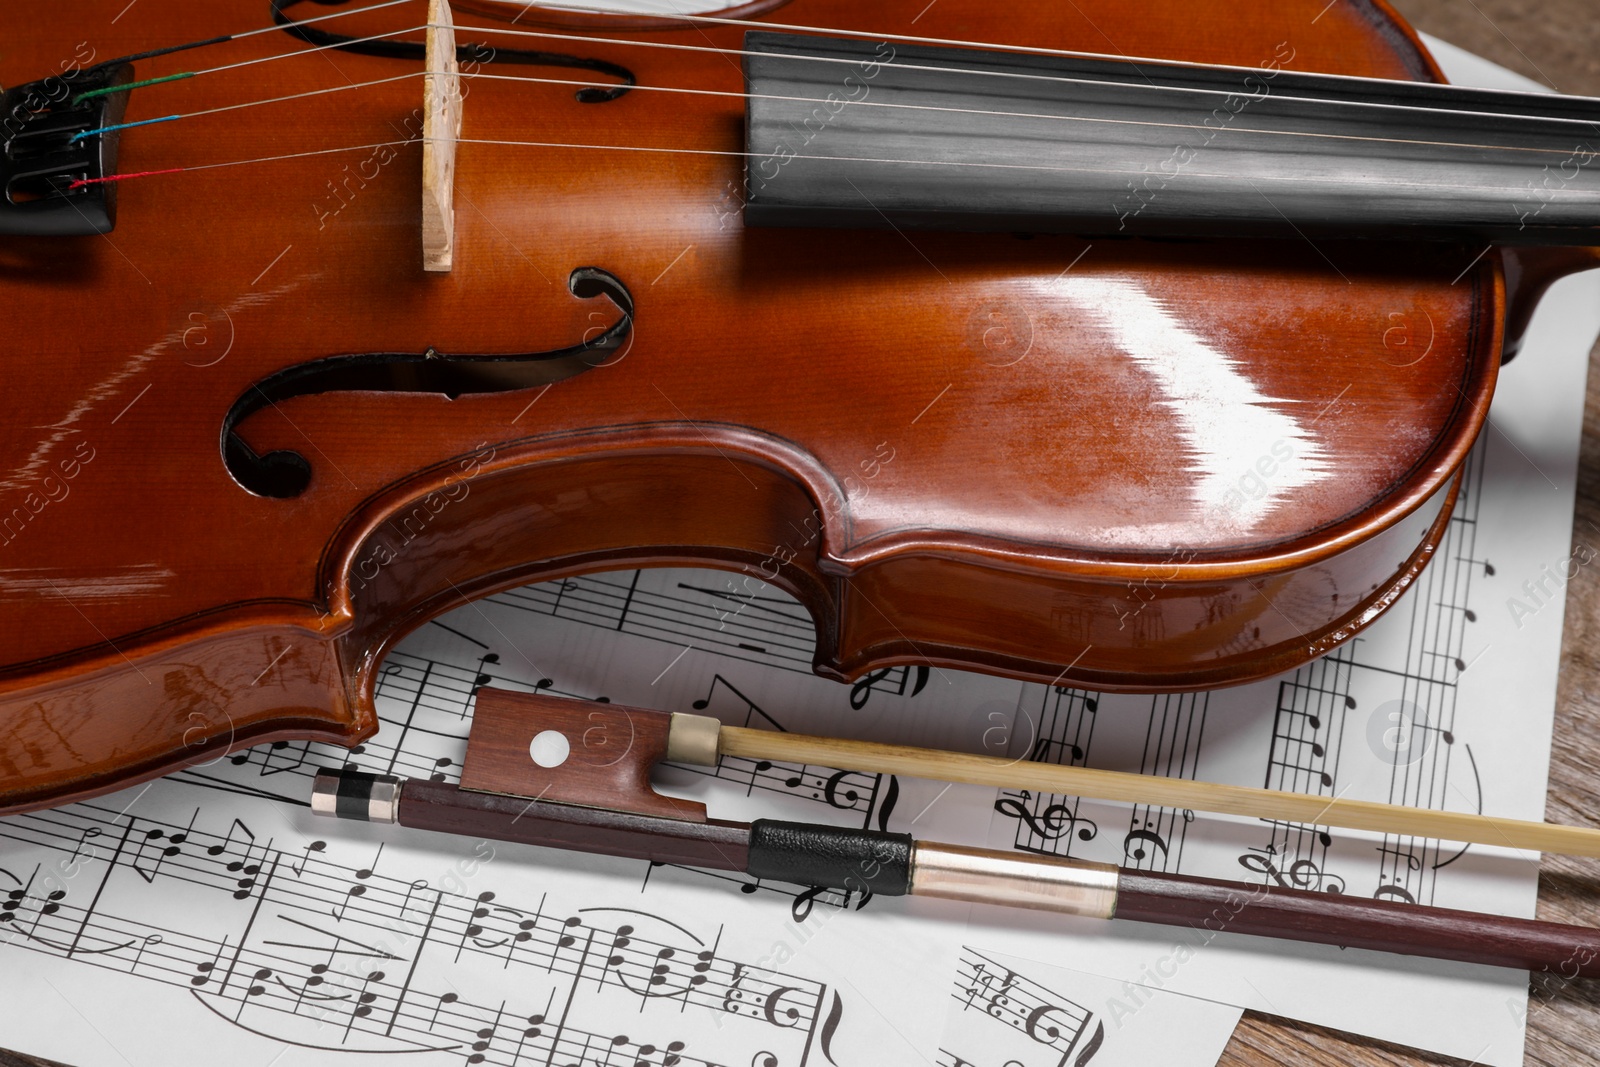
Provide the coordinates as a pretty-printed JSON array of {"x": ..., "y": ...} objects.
[
  {"x": 1025, "y": 75},
  {"x": 979, "y": 164},
  {"x": 91, "y": 94},
  {"x": 182, "y": 75},
  {"x": 708, "y": 19},
  {"x": 101, "y": 130},
  {"x": 307, "y": 51},
  {"x": 1063, "y": 79},
  {"x": 246, "y": 104},
  {"x": 84, "y": 182},
  {"x": 747, "y": 96},
  {"x": 1042, "y": 115},
  {"x": 224, "y": 39},
  {"x": 743, "y": 52},
  {"x": 705, "y": 20},
  {"x": 783, "y": 98},
  {"x": 712, "y": 152},
  {"x": 713, "y": 20}
]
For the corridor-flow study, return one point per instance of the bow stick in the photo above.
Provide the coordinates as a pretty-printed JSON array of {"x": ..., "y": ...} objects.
[{"x": 568, "y": 774}]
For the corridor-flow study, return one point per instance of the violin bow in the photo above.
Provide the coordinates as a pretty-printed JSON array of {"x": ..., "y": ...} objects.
[{"x": 568, "y": 774}]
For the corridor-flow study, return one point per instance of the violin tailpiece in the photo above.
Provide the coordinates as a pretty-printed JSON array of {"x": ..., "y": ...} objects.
[
  {"x": 54, "y": 177},
  {"x": 441, "y": 129}
]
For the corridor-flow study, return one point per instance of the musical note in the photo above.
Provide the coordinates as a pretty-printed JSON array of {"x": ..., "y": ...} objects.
[
  {"x": 472, "y": 929},
  {"x": 532, "y": 1032},
  {"x": 359, "y": 889},
  {"x": 666, "y": 1056},
  {"x": 243, "y": 867},
  {"x": 161, "y": 847},
  {"x": 148, "y": 941},
  {"x": 1406, "y": 856},
  {"x": 407, "y": 957},
  {"x": 800, "y": 909},
  {"x": 1022, "y": 1005},
  {"x": 482, "y": 677},
  {"x": 274, "y": 760},
  {"x": 49, "y": 901},
  {"x": 330, "y": 957},
  {"x": 205, "y": 970},
  {"x": 88, "y": 834},
  {"x": 445, "y": 999},
  {"x": 256, "y": 988},
  {"x": 484, "y": 1037},
  {"x": 314, "y": 846}
]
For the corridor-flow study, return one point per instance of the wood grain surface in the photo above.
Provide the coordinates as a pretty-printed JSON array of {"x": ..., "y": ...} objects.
[{"x": 1558, "y": 43}]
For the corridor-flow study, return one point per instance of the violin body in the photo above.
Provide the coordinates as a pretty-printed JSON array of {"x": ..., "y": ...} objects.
[{"x": 1121, "y": 464}]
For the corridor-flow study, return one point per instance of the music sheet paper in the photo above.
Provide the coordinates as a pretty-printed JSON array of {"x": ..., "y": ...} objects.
[{"x": 209, "y": 917}]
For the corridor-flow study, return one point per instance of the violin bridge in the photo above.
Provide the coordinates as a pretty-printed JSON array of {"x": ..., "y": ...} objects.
[{"x": 441, "y": 127}]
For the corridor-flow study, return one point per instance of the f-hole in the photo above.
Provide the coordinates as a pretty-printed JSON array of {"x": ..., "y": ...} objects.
[{"x": 284, "y": 474}]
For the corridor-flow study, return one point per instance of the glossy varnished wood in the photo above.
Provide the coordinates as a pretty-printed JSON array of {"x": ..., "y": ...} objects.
[
  {"x": 709, "y": 843},
  {"x": 970, "y": 450},
  {"x": 1560, "y": 39},
  {"x": 609, "y": 753},
  {"x": 1557, "y": 950}
]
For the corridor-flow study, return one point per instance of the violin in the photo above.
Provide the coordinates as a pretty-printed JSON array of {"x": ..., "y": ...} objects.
[{"x": 315, "y": 335}]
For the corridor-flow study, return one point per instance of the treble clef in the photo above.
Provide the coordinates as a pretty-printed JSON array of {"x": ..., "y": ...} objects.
[
  {"x": 1302, "y": 874},
  {"x": 1307, "y": 875},
  {"x": 861, "y": 691},
  {"x": 1051, "y": 824},
  {"x": 800, "y": 909}
]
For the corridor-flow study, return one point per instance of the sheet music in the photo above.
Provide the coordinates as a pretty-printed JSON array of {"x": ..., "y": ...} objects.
[
  {"x": 1005, "y": 1010},
  {"x": 210, "y": 917}
]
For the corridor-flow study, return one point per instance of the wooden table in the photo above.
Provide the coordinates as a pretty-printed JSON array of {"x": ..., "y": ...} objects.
[{"x": 1556, "y": 42}]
